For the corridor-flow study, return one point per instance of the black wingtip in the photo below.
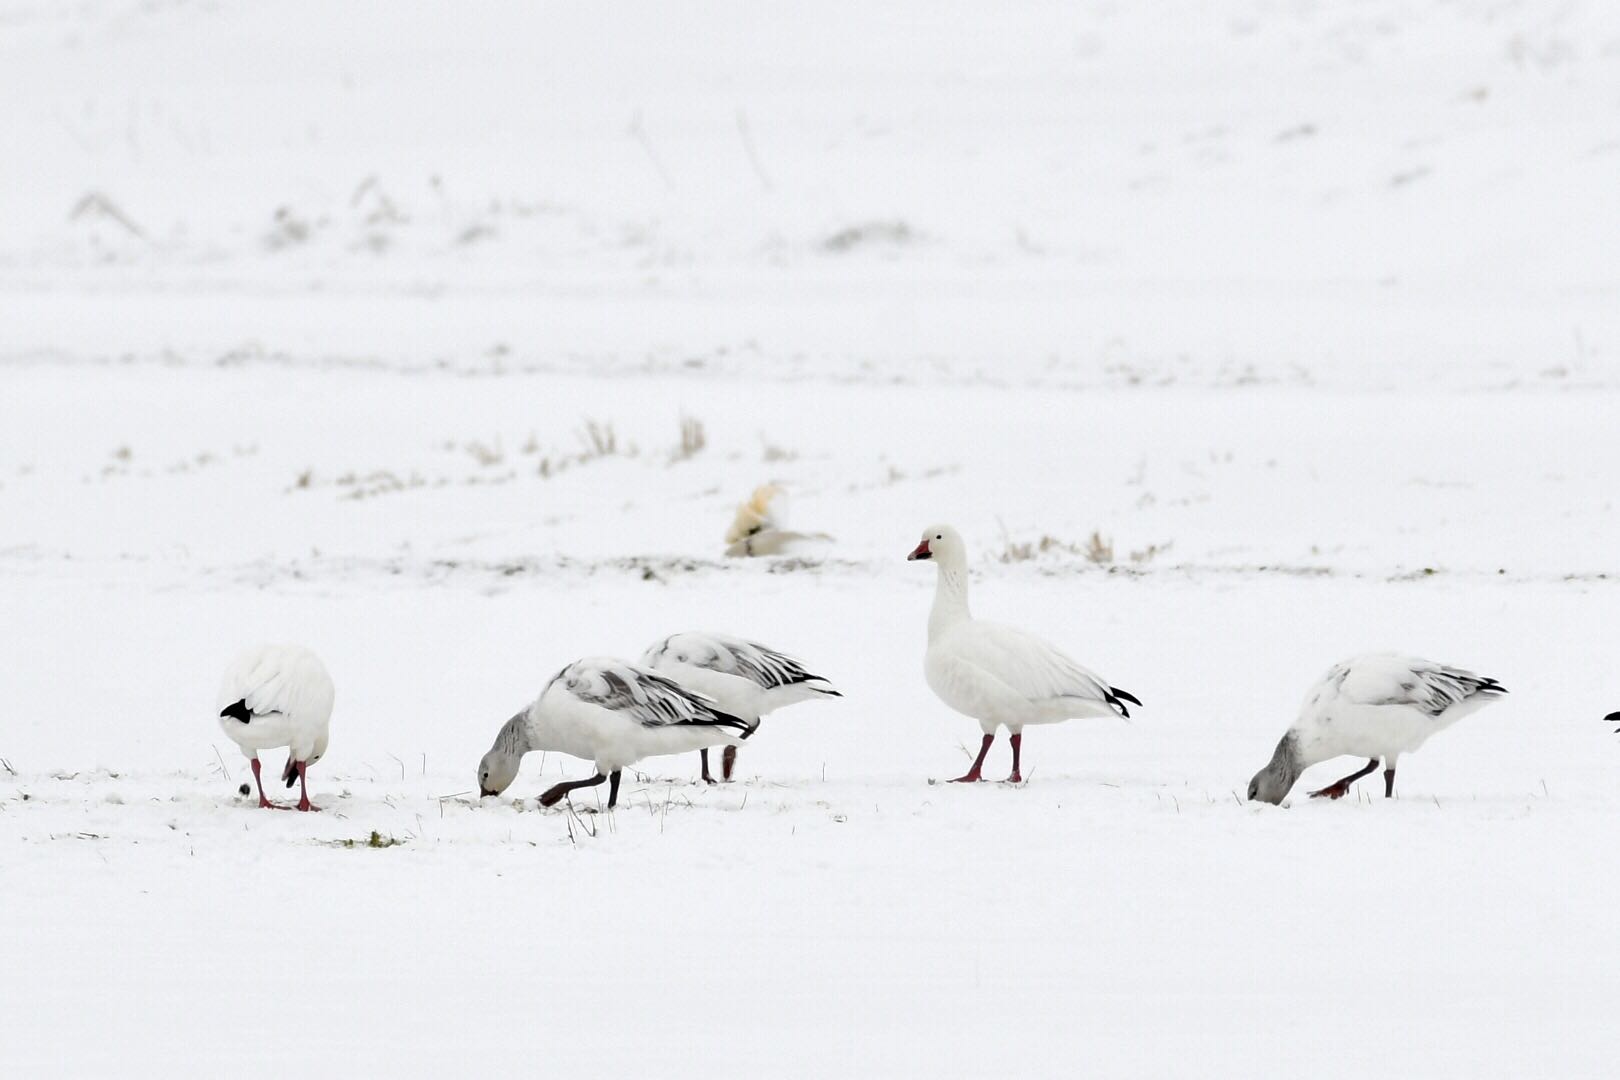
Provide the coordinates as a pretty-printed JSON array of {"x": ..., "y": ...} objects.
[
  {"x": 1612, "y": 718},
  {"x": 1125, "y": 695},
  {"x": 289, "y": 771},
  {"x": 237, "y": 711},
  {"x": 805, "y": 677},
  {"x": 726, "y": 720}
]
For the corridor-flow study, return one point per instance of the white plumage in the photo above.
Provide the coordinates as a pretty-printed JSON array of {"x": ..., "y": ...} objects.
[
  {"x": 1377, "y": 706},
  {"x": 274, "y": 696},
  {"x": 754, "y": 516},
  {"x": 610, "y": 713},
  {"x": 999, "y": 675},
  {"x": 757, "y": 528},
  {"x": 743, "y": 678}
]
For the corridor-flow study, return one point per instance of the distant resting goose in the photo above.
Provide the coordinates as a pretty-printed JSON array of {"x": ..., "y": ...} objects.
[
  {"x": 274, "y": 696},
  {"x": 744, "y": 678},
  {"x": 996, "y": 674},
  {"x": 1377, "y": 706},
  {"x": 758, "y": 530},
  {"x": 610, "y": 713}
]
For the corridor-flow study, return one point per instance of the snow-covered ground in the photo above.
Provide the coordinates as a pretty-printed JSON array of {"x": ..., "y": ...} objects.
[{"x": 1236, "y": 338}]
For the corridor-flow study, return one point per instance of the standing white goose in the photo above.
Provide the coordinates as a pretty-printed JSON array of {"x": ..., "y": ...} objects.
[
  {"x": 610, "y": 713},
  {"x": 1377, "y": 706},
  {"x": 274, "y": 696},
  {"x": 744, "y": 678},
  {"x": 999, "y": 675}
]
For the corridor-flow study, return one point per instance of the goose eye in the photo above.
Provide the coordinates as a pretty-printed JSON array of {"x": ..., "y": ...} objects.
[
  {"x": 940, "y": 537},
  {"x": 680, "y": 658}
]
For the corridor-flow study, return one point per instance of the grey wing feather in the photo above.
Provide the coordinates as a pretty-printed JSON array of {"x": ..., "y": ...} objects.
[
  {"x": 765, "y": 666},
  {"x": 646, "y": 697},
  {"x": 1431, "y": 688},
  {"x": 759, "y": 664},
  {"x": 1440, "y": 690}
]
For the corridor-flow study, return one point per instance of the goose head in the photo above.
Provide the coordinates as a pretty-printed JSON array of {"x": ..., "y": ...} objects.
[
  {"x": 496, "y": 772},
  {"x": 1273, "y": 783},
  {"x": 941, "y": 544}
]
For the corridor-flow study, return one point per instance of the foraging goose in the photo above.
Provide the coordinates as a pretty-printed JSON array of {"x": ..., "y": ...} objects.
[
  {"x": 1377, "y": 706},
  {"x": 274, "y": 696},
  {"x": 610, "y": 713},
  {"x": 997, "y": 674},
  {"x": 744, "y": 678}
]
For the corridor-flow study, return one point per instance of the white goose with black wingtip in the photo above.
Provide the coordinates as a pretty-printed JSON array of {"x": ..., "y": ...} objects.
[
  {"x": 744, "y": 678},
  {"x": 275, "y": 696},
  {"x": 1378, "y": 706},
  {"x": 999, "y": 675},
  {"x": 612, "y": 714}
]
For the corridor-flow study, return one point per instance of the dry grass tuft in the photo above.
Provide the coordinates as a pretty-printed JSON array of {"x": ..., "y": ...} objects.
[
  {"x": 599, "y": 440},
  {"x": 1097, "y": 549},
  {"x": 486, "y": 455},
  {"x": 693, "y": 439},
  {"x": 774, "y": 453}
]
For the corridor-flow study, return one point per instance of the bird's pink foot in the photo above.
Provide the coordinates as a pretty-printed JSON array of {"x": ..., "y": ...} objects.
[
  {"x": 264, "y": 803},
  {"x": 1014, "y": 778},
  {"x": 972, "y": 776},
  {"x": 303, "y": 787},
  {"x": 1332, "y": 791}
]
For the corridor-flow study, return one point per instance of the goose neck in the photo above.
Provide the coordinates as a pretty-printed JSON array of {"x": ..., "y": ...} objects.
[
  {"x": 515, "y": 738},
  {"x": 950, "y": 600}
]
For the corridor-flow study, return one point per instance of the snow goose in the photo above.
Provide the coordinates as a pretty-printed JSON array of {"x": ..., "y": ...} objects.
[
  {"x": 610, "y": 713},
  {"x": 1377, "y": 706},
  {"x": 744, "y": 678},
  {"x": 999, "y": 675},
  {"x": 758, "y": 530},
  {"x": 274, "y": 696}
]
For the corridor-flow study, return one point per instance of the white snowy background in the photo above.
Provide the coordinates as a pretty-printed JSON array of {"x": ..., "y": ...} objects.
[{"x": 1310, "y": 311}]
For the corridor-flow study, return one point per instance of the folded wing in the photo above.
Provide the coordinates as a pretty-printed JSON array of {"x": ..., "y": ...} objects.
[
  {"x": 1038, "y": 672},
  {"x": 761, "y": 665},
  {"x": 1420, "y": 684},
  {"x": 276, "y": 679},
  {"x": 642, "y": 697}
]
